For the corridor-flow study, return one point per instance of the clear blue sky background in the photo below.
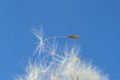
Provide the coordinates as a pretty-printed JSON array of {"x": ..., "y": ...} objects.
[{"x": 96, "y": 21}]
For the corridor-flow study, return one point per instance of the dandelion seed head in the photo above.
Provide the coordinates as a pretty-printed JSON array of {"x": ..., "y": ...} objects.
[{"x": 59, "y": 66}]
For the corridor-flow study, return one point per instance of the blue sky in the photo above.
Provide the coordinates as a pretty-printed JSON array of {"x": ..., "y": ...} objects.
[{"x": 96, "y": 21}]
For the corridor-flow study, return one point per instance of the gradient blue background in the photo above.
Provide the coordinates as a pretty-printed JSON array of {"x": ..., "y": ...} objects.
[{"x": 96, "y": 21}]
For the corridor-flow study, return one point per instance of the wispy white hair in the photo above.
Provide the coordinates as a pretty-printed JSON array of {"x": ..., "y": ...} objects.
[{"x": 54, "y": 65}]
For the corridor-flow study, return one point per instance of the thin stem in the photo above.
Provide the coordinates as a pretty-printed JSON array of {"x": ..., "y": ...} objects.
[{"x": 54, "y": 37}]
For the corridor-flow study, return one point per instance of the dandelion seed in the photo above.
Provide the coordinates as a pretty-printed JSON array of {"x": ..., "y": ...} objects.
[{"x": 74, "y": 37}]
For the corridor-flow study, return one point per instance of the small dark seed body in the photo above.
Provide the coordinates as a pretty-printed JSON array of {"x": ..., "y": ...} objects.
[{"x": 74, "y": 37}]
